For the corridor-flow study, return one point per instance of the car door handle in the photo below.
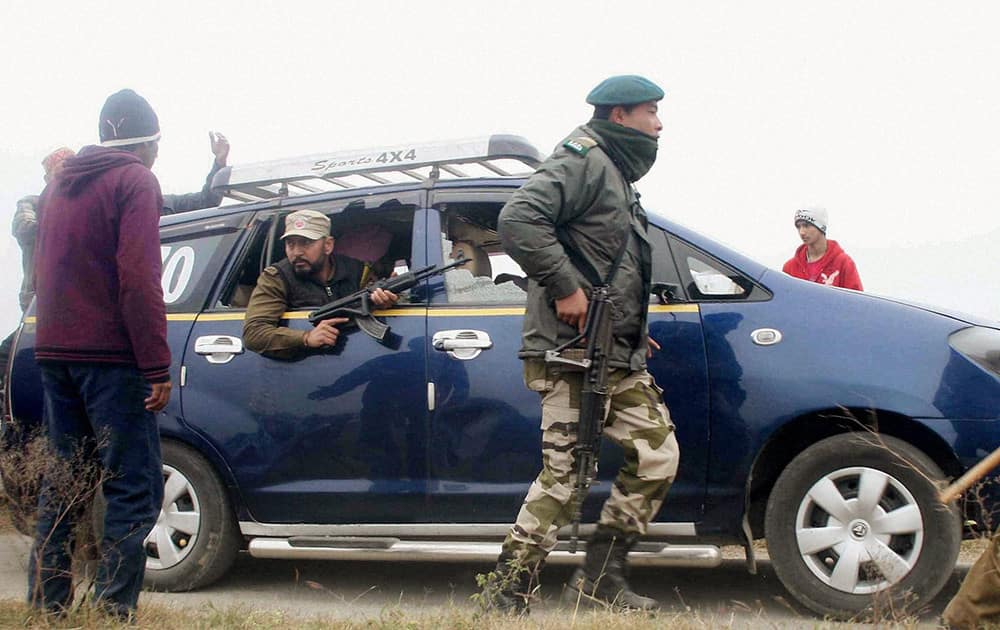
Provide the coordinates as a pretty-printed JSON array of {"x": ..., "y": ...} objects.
[
  {"x": 218, "y": 348},
  {"x": 462, "y": 344},
  {"x": 766, "y": 336}
]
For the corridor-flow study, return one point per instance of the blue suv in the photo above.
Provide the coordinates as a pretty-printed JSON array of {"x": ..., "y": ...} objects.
[{"x": 820, "y": 419}]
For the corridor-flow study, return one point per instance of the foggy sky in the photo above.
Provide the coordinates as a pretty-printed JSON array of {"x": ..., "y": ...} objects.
[{"x": 885, "y": 113}]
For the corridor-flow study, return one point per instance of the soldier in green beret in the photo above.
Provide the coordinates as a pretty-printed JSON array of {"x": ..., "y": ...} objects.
[{"x": 574, "y": 224}]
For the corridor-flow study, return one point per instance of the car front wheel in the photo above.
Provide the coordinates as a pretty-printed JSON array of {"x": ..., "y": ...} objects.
[
  {"x": 854, "y": 527},
  {"x": 195, "y": 539}
]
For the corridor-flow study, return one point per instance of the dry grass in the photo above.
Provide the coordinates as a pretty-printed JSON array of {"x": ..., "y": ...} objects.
[
  {"x": 6, "y": 526},
  {"x": 24, "y": 456},
  {"x": 17, "y": 614}
]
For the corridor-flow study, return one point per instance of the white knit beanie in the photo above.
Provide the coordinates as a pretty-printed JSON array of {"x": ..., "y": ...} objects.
[{"x": 815, "y": 215}]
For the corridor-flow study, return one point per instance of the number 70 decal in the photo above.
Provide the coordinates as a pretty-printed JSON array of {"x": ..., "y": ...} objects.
[{"x": 178, "y": 265}]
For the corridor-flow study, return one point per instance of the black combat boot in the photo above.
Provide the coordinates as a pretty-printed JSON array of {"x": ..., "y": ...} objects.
[
  {"x": 510, "y": 587},
  {"x": 603, "y": 578}
]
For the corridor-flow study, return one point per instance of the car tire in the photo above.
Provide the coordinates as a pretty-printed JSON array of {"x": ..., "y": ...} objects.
[
  {"x": 195, "y": 539},
  {"x": 854, "y": 527}
]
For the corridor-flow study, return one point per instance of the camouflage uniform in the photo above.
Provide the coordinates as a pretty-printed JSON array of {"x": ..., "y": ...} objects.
[
  {"x": 24, "y": 227},
  {"x": 637, "y": 420},
  {"x": 580, "y": 191}
]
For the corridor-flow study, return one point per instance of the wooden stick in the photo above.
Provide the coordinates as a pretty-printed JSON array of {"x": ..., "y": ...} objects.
[{"x": 970, "y": 477}]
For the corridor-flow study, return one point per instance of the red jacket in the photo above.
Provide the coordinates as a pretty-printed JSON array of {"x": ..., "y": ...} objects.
[
  {"x": 97, "y": 265},
  {"x": 835, "y": 268}
]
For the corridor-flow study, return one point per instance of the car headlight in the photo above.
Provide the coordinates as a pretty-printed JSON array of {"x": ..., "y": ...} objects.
[{"x": 980, "y": 344}]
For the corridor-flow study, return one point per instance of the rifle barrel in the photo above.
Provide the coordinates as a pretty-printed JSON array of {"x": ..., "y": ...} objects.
[{"x": 394, "y": 284}]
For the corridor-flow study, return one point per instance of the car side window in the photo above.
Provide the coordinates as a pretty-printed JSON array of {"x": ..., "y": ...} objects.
[
  {"x": 191, "y": 255},
  {"x": 379, "y": 235},
  {"x": 468, "y": 230},
  {"x": 243, "y": 278},
  {"x": 710, "y": 281},
  {"x": 704, "y": 277}
]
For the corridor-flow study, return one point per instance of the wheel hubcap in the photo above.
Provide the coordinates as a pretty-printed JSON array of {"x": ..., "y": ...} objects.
[
  {"x": 177, "y": 526},
  {"x": 859, "y": 530}
]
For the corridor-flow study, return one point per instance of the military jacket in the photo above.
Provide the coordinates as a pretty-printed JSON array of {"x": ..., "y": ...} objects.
[
  {"x": 579, "y": 199},
  {"x": 24, "y": 227},
  {"x": 278, "y": 290}
]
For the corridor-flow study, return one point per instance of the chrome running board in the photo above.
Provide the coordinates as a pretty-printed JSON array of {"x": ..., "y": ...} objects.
[
  {"x": 445, "y": 531},
  {"x": 387, "y": 548}
]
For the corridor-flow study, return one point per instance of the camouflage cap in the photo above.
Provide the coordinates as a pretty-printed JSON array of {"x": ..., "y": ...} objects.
[
  {"x": 308, "y": 224},
  {"x": 626, "y": 89}
]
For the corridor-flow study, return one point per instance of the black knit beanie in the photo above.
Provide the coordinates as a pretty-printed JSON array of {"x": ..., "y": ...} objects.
[{"x": 127, "y": 119}]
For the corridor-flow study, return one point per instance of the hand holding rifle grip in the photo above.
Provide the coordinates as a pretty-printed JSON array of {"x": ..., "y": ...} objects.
[
  {"x": 597, "y": 336},
  {"x": 358, "y": 305}
]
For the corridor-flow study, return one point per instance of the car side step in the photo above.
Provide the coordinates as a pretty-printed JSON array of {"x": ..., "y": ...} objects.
[{"x": 379, "y": 548}]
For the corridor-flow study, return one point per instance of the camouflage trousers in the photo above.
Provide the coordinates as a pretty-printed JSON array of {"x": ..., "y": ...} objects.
[{"x": 635, "y": 418}]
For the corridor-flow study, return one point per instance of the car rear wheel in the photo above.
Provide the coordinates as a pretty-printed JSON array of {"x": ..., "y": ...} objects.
[
  {"x": 854, "y": 527},
  {"x": 195, "y": 539}
]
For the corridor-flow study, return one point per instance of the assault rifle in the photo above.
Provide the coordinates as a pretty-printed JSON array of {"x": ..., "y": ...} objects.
[
  {"x": 358, "y": 305},
  {"x": 592, "y": 360}
]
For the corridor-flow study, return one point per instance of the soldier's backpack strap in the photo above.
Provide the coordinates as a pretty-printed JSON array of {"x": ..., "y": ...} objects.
[{"x": 580, "y": 145}]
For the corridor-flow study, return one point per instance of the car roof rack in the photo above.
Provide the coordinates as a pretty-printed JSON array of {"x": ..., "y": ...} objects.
[{"x": 491, "y": 156}]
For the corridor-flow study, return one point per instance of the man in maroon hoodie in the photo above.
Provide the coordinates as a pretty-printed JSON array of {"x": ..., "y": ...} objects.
[
  {"x": 102, "y": 349},
  {"x": 819, "y": 259}
]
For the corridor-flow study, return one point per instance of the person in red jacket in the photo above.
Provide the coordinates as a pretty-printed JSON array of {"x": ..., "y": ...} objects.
[
  {"x": 101, "y": 346},
  {"x": 819, "y": 259}
]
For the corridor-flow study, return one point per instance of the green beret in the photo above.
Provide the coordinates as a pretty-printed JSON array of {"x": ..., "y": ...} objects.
[{"x": 627, "y": 89}]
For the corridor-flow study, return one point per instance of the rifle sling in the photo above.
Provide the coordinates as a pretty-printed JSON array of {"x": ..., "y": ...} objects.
[{"x": 583, "y": 265}]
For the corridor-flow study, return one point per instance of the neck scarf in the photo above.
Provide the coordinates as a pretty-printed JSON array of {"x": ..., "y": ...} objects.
[{"x": 632, "y": 151}]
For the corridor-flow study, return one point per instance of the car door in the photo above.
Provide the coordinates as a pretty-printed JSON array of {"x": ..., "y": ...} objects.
[
  {"x": 679, "y": 368},
  {"x": 484, "y": 435},
  {"x": 734, "y": 322},
  {"x": 332, "y": 437},
  {"x": 485, "y": 439}
]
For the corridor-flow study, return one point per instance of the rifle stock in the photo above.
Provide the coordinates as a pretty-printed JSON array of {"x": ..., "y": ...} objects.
[{"x": 358, "y": 305}]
